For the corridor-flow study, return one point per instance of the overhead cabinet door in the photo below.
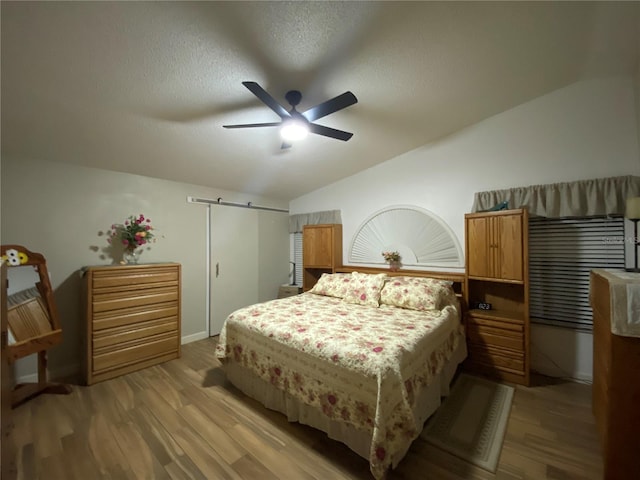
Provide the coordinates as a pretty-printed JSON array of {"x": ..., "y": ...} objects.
[
  {"x": 479, "y": 247},
  {"x": 508, "y": 249},
  {"x": 317, "y": 246},
  {"x": 494, "y": 244},
  {"x": 321, "y": 252}
]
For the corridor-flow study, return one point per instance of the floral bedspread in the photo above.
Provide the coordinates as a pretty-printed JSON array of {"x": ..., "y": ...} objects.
[{"x": 358, "y": 364}]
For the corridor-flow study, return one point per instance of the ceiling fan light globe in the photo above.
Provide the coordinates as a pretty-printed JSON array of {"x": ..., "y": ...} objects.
[{"x": 294, "y": 130}]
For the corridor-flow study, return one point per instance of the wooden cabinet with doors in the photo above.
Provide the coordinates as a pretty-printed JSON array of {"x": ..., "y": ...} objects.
[
  {"x": 133, "y": 318},
  {"x": 497, "y": 294},
  {"x": 495, "y": 246},
  {"x": 321, "y": 252}
]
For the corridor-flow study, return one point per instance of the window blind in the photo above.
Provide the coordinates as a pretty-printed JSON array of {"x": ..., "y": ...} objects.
[
  {"x": 297, "y": 256},
  {"x": 562, "y": 252}
]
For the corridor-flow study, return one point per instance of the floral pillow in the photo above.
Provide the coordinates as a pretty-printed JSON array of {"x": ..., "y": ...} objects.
[
  {"x": 417, "y": 293},
  {"x": 365, "y": 288},
  {"x": 332, "y": 285}
]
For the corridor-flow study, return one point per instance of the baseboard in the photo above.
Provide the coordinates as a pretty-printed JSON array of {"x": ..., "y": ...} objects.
[
  {"x": 194, "y": 337},
  {"x": 573, "y": 377}
]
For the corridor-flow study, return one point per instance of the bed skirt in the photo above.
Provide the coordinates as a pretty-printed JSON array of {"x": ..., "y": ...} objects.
[{"x": 357, "y": 440}]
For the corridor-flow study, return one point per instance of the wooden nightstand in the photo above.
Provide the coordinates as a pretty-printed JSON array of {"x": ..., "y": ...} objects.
[{"x": 288, "y": 291}]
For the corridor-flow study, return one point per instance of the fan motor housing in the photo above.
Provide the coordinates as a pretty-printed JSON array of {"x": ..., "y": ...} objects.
[{"x": 293, "y": 97}]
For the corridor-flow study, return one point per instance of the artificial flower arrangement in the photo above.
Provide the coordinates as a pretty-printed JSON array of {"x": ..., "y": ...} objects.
[
  {"x": 391, "y": 256},
  {"x": 135, "y": 232}
]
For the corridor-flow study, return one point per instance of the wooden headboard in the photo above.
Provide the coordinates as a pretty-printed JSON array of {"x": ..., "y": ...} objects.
[{"x": 455, "y": 277}]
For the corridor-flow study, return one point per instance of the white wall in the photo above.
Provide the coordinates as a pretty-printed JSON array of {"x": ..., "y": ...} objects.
[
  {"x": 60, "y": 211},
  {"x": 583, "y": 131},
  {"x": 637, "y": 92}
]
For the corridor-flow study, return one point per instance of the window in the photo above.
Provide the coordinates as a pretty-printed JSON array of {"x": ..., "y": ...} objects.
[
  {"x": 297, "y": 256},
  {"x": 562, "y": 251}
]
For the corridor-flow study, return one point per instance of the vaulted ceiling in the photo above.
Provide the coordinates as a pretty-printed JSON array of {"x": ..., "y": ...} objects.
[{"x": 145, "y": 87}]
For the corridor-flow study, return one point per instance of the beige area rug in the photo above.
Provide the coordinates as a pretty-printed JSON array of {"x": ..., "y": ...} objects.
[{"x": 472, "y": 421}]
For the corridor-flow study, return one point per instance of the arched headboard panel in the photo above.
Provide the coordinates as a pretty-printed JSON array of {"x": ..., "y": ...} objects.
[{"x": 421, "y": 237}]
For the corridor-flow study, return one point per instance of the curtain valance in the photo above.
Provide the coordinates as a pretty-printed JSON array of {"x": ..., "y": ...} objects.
[
  {"x": 583, "y": 198},
  {"x": 313, "y": 218}
]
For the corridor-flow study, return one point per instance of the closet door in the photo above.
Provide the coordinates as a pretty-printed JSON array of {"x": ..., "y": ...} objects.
[{"x": 234, "y": 262}]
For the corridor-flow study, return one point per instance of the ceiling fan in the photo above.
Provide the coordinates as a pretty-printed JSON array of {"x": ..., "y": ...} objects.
[{"x": 296, "y": 124}]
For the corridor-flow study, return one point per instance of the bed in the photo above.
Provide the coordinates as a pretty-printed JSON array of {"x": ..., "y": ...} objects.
[{"x": 363, "y": 356}]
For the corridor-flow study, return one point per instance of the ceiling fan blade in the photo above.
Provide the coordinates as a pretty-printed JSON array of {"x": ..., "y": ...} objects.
[
  {"x": 330, "y": 106},
  {"x": 251, "y": 125},
  {"x": 267, "y": 99},
  {"x": 330, "y": 132}
]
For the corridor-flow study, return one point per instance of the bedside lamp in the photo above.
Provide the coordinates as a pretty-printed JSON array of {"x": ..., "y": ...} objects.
[{"x": 633, "y": 213}]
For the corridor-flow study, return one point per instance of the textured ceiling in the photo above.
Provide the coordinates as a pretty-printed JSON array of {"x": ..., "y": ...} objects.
[{"x": 145, "y": 87}]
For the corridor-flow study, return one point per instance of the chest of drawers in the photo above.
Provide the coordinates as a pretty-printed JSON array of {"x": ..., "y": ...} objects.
[{"x": 133, "y": 318}]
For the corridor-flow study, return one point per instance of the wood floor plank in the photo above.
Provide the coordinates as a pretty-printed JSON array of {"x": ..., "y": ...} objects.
[
  {"x": 55, "y": 466},
  {"x": 81, "y": 461},
  {"x": 183, "y": 420},
  {"x": 166, "y": 415},
  {"x": 159, "y": 437},
  {"x": 268, "y": 454},
  {"x": 28, "y": 467},
  {"x": 177, "y": 470},
  {"x": 123, "y": 393},
  {"x": 169, "y": 392},
  {"x": 102, "y": 443},
  {"x": 104, "y": 402},
  {"x": 135, "y": 451},
  {"x": 522, "y": 465},
  {"x": 182, "y": 376},
  {"x": 208, "y": 462},
  {"x": 316, "y": 466},
  {"x": 47, "y": 430},
  {"x": 183, "y": 468},
  {"x": 248, "y": 467},
  {"x": 160, "y": 443},
  {"x": 217, "y": 438},
  {"x": 22, "y": 416}
]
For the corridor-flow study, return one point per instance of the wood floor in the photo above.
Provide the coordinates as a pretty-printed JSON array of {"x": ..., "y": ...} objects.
[{"x": 182, "y": 420}]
